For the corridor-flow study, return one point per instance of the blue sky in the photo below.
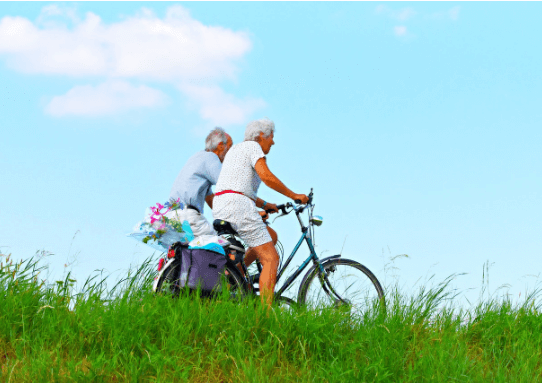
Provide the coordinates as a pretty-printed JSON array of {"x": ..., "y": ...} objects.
[{"x": 417, "y": 125}]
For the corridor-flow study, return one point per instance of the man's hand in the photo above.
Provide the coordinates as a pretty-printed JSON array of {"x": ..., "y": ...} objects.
[{"x": 302, "y": 197}]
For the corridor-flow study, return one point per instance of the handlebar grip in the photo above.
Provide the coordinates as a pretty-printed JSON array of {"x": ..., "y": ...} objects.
[
  {"x": 282, "y": 208},
  {"x": 297, "y": 201},
  {"x": 269, "y": 211}
]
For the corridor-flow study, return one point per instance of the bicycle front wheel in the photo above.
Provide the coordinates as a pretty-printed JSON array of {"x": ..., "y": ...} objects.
[{"x": 346, "y": 284}]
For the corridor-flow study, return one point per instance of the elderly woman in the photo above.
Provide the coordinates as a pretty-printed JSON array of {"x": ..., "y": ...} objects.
[{"x": 236, "y": 202}]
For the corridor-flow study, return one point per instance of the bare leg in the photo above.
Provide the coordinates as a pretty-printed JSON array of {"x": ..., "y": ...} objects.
[
  {"x": 273, "y": 234},
  {"x": 250, "y": 255},
  {"x": 267, "y": 254}
]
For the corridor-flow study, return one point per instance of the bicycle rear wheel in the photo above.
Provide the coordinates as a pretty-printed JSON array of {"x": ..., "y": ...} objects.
[
  {"x": 347, "y": 284},
  {"x": 168, "y": 284},
  {"x": 232, "y": 280}
]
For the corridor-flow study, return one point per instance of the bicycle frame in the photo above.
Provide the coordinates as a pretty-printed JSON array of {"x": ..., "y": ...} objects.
[
  {"x": 305, "y": 236},
  {"x": 300, "y": 269}
]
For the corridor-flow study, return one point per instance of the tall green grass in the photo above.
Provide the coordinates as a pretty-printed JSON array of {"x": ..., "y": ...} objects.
[{"x": 95, "y": 333}]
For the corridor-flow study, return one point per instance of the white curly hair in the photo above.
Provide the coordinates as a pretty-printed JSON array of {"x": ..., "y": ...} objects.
[
  {"x": 215, "y": 137},
  {"x": 254, "y": 128}
]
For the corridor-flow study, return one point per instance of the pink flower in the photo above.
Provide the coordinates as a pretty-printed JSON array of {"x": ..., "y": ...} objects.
[{"x": 160, "y": 206}]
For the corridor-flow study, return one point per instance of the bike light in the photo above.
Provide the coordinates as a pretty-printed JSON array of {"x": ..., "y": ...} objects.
[
  {"x": 171, "y": 253},
  {"x": 317, "y": 220},
  {"x": 161, "y": 264}
]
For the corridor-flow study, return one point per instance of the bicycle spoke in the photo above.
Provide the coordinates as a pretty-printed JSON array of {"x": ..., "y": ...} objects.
[{"x": 345, "y": 284}]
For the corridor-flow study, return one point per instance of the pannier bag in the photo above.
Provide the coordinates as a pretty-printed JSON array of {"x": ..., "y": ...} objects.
[{"x": 200, "y": 266}]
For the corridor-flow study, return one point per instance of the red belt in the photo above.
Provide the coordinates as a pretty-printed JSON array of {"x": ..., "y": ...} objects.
[
  {"x": 231, "y": 191},
  {"x": 228, "y": 191}
]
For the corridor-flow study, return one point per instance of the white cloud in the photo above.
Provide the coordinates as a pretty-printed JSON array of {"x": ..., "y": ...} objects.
[
  {"x": 143, "y": 46},
  {"x": 451, "y": 14},
  {"x": 48, "y": 13},
  {"x": 107, "y": 98},
  {"x": 381, "y": 8},
  {"x": 405, "y": 14},
  {"x": 400, "y": 30},
  {"x": 401, "y": 14},
  {"x": 220, "y": 108},
  {"x": 454, "y": 13},
  {"x": 175, "y": 49}
]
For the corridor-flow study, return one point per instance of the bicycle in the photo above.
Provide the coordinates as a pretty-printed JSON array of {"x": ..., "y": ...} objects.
[{"x": 356, "y": 288}]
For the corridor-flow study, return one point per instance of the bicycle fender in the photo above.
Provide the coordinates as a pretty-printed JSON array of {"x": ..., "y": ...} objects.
[
  {"x": 166, "y": 266},
  {"x": 313, "y": 267}
]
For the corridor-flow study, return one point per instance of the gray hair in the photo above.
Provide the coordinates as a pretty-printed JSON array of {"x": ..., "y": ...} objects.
[
  {"x": 254, "y": 128},
  {"x": 215, "y": 137}
]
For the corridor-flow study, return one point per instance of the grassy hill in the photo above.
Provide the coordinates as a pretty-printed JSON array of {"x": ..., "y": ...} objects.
[{"x": 126, "y": 334}]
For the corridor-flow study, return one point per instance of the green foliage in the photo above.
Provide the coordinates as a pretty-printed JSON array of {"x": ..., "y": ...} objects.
[{"x": 127, "y": 334}]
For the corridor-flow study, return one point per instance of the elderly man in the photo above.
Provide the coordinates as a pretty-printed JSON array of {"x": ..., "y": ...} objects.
[
  {"x": 193, "y": 184},
  {"x": 243, "y": 170}
]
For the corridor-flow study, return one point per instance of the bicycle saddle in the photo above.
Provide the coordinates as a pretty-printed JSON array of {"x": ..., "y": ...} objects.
[{"x": 223, "y": 227}]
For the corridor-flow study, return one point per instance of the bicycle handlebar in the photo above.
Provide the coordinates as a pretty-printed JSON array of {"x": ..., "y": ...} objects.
[
  {"x": 299, "y": 209},
  {"x": 298, "y": 201},
  {"x": 283, "y": 207}
]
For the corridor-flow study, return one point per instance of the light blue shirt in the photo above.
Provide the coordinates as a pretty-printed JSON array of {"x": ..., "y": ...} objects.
[{"x": 195, "y": 179}]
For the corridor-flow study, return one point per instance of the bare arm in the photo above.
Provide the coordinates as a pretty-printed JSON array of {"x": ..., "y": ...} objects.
[
  {"x": 209, "y": 200},
  {"x": 271, "y": 180},
  {"x": 268, "y": 206}
]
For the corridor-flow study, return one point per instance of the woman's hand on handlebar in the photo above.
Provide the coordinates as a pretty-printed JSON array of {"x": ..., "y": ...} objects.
[
  {"x": 264, "y": 215},
  {"x": 300, "y": 198},
  {"x": 271, "y": 208}
]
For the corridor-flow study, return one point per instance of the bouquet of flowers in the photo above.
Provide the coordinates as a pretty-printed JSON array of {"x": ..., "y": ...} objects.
[{"x": 160, "y": 231}]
